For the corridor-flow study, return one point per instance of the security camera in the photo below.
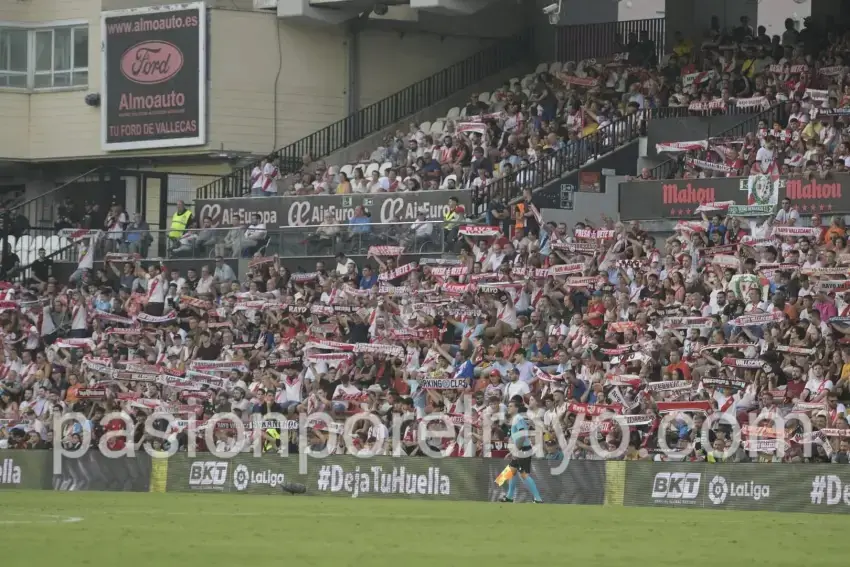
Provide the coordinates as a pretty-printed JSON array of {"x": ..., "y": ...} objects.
[{"x": 551, "y": 9}]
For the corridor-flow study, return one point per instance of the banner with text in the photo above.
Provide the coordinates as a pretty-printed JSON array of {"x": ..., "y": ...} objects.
[
  {"x": 25, "y": 469},
  {"x": 680, "y": 198},
  {"x": 582, "y": 482},
  {"x": 349, "y": 476},
  {"x": 739, "y": 486},
  {"x": 153, "y": 77},
  {"x": 311, "y": 210}
]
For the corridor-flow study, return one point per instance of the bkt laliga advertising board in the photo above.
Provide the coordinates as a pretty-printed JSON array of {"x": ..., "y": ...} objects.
[{"x": 310, "y": 210}]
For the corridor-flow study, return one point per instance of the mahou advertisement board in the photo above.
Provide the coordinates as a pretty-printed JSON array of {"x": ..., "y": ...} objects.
[
  {"x": 680, "y": 198},
  {"x": 153, "y": 84}
]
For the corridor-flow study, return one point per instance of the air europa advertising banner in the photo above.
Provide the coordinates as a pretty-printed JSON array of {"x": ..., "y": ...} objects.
[
  {"x": 153, "y": 84},
  {"x": 310, "y": 210},
  {"x": 679, "y": 198}
]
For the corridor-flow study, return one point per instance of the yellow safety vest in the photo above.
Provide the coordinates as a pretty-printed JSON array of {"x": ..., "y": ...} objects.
[
  {"x": 179, "y": 223},
  {"x": 450, "y": 219},
  {"x": 271, "y": 445}
]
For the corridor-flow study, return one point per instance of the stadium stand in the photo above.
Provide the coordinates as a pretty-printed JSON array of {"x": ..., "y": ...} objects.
[{"x": 747, "y": 323}]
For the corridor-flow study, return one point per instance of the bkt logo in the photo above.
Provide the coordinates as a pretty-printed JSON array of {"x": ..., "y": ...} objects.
[
  {"x": 208, "y": 474},
  {"x": 677, "y": 487}
]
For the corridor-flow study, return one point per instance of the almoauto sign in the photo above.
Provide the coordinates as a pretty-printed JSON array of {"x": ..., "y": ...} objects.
[
  {"x": 153, "y": 83},
  {"x": 311, "y": 209},
  {"x": 679, "y": 198}
]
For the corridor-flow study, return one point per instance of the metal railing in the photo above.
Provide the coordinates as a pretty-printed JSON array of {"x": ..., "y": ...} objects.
[
  {"x": 384, "y": 113},
  {"x": 669, "y": 168},
  {"x": 571, "y": 157},
  {"x": 684, "y": 112},
  {"x": 289, "y": 241},
  {"x": 39, "y": 218},
  {"x": 582, "y": 41},
  {"x": 23, "y": 271}
]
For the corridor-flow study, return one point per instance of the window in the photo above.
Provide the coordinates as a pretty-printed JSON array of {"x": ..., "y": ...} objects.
[
  {"x": 13, "y": 57},
  {"x": 44, "y": 58}
]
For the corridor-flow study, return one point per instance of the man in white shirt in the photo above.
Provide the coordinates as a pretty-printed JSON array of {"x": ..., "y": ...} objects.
[
  {"x": 817, "y": 386},
  {"x": 494, "y": 259},
  {"x": 205, "y": 282},
  {"x": 223, "y": 273},
  {"x": 254, "y": 235},
  {"x": 344, "y": 388},
  {"x": 422, "y": 229},
  {"x": 342, "y": 263},
  {"x": 516, "y": 387},
  {"x": 811, "y": 260},
  {"x": 115, "y": 223},
  {"x": 787, "y": 215},
  {"x": 257, "y": 179},
  {"x": 157, "y": 289},
  {"x": 270, "y": 176}
]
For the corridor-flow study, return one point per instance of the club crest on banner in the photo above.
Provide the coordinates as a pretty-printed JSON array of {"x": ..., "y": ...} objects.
[{"x": 762, "y": 189}]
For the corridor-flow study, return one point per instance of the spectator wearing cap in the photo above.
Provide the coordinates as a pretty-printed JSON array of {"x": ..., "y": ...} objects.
[{"x": 515, "y": 386}]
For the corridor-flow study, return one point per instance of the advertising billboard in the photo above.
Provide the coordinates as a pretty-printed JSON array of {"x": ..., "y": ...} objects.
[{"x": 153, "y": 83}]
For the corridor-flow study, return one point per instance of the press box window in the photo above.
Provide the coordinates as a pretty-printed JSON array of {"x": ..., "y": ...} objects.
[{"x": 44, "y": 58}]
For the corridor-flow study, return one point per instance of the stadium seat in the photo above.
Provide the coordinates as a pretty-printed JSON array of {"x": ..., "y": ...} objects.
[
  {"x": 347, "y": 169},
  {"x": 555, "y": 67},
  {"x": 22, "y": 248},
  {"x": 385, "y": 166},
  {"x": 484, "y": 97},
  {"x": 542, "y": 68},
  {"x": 371, "y": 168},
  {"x": 52, "y": 244},
  {"x": 36, "y": 242},
  {"x": 463, "y": 112},
  {"x": 454, "y": 112},
  {"x": 437, "y": 128}
]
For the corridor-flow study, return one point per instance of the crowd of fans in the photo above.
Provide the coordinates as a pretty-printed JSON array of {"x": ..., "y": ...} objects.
[
  {"x": 728, "y": 317},
  {"x": 550, "y": 117},
  {"x": 802, "y": 75},
  {"x": 716, "y": 320}
]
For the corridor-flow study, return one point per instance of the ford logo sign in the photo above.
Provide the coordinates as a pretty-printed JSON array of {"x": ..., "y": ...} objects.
[{"x": 151, "y": 62}]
